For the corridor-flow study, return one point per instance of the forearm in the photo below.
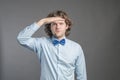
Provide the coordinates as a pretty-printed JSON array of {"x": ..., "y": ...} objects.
[
  {"x": 81, "y": 74},
  {"x": 30, "y": 30},
  {"x": 41, "y": 22},
  {"x": 27, "y": 32}
]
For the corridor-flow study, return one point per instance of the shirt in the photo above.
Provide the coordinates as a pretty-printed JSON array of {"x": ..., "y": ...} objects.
[{"x": 57, "y": 62}]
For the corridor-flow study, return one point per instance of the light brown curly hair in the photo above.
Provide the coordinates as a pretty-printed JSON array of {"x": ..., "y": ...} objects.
[{"x": 62, "y": 14}]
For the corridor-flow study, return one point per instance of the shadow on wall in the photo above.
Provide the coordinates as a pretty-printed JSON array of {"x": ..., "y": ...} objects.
[
  {"x": 116, "y": 36},
  {"x": 0, "y": 51}
]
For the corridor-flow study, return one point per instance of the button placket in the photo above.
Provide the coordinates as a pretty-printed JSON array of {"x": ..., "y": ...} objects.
[{"x": 58, "y": 52}]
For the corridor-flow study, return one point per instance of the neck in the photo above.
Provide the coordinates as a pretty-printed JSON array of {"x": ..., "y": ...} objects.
[{"x": 60, "y": 38}]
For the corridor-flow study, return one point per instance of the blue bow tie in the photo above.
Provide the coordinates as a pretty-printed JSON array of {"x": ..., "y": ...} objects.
[{"x": 62, "y": 42}]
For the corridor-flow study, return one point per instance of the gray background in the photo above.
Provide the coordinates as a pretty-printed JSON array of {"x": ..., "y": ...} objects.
[{"x": 96, "y": 26}]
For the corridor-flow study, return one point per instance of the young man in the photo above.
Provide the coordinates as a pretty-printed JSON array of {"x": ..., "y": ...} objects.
[{"x": 60, "y": 58}]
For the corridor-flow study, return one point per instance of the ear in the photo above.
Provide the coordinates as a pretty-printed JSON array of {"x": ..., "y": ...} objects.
[{"x": 67, "y": 26}]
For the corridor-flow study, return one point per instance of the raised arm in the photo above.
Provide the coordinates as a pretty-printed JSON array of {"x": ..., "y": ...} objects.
[{"x": 25, "y": 36}]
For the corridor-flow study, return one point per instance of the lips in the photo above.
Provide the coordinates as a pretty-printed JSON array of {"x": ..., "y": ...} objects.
[{"x": 58, "y": 31}]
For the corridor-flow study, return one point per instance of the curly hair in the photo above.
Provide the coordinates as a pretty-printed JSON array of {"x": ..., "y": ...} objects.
[{"x": 62, "y": 14}]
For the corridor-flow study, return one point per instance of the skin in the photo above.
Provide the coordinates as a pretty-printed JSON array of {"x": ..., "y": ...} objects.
[{"x": 58, "y": 26}]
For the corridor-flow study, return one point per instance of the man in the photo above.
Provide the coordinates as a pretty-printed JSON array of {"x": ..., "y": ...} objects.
[{"x": 60, "y": 58}]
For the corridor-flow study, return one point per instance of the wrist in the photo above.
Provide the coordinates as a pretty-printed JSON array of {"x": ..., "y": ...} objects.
[{"x": 41, "y": 22}]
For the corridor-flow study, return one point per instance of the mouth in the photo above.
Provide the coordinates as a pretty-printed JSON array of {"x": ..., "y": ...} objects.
[{"x": 58, "y": 31}]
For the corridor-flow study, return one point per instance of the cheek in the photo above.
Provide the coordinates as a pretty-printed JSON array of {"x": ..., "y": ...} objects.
[{"x": 52, "y": 29}]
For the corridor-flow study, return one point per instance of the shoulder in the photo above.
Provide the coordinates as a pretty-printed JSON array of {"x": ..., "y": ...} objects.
[
  {"x": 73, "y": 43},
  {"x": 76, "y": 46}
]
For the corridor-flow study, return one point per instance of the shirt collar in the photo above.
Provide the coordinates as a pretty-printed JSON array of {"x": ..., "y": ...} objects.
[{"x": 54, "y": 38}]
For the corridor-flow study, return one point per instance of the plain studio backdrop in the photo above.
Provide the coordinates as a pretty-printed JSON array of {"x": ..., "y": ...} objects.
[{"x": 96, "y": 27}]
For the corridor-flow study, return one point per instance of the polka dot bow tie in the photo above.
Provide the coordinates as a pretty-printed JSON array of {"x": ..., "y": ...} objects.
[{"x": 56, "y": 42}]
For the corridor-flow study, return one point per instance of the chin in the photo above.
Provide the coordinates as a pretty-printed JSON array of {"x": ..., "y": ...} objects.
[{"x": 58, "y": 35}]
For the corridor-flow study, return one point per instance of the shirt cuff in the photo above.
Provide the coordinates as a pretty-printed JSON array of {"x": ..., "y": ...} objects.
[{"x": 34, "y": 26}]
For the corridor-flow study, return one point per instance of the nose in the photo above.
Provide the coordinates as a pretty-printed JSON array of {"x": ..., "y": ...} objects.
[{"x": 57, "y": 26}]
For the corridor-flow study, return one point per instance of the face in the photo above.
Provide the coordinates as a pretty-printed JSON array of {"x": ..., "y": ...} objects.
[{"x": 59, "y": 28}]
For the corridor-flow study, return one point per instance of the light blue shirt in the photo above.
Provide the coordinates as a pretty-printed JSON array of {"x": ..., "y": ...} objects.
[{"x": 57, "y": 62}]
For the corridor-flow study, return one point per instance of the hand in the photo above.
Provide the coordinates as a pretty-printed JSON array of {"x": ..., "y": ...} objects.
[
  {"x": 49, "y": 20},
  {"x": 52, "y": 19}
]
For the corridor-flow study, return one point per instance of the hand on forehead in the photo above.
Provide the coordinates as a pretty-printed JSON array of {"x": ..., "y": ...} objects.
[{"x": 57, "y": 19}]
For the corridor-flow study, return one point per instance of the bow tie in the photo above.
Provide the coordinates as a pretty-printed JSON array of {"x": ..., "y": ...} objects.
[{"x": 62, "y": 42}]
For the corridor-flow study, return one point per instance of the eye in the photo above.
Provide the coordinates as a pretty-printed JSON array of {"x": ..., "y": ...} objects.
[
  {"x": 53, "y": 24},
  {"x": 61, "y": 23}
]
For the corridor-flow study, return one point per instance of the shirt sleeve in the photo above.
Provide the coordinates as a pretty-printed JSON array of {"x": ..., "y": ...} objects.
[
  {"x": 80, "y": 69},
  {"x": 25, "y": 39}
]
